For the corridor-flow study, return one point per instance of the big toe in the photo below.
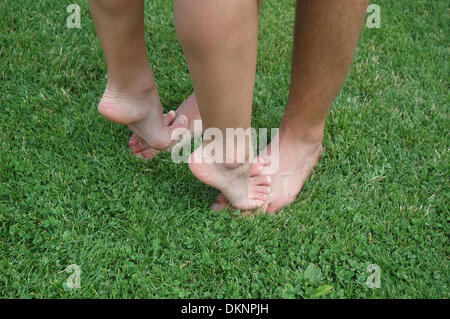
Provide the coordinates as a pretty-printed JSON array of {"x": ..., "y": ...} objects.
[
  {"x": 257, "y": 167},
  {"x": 178, "y": 127},
  {"x": 274, "y": 207},
  {"x": 169, "y": 117},
  {"x": 279, "y": 202}
]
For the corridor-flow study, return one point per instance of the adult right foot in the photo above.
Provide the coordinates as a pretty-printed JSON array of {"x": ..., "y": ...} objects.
[
  {"x": 188, "y": 109},
  {"x": 297, "y": 159},
  {"x": 142, "y": 112}
]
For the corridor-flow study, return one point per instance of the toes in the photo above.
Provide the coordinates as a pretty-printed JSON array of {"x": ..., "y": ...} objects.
[
  {"x": 178, "y": 127},
  {"x": 137, "y": 144},
  {"x": 274, "y": 207},
  {"x": 267, "y": 167},
  {"x": 217, "y": 207},
  {"x": 262, "y": 180},
  {"x": 146, "y": 154},
  {"x": 258, "y": 196},
  {"x": 134, "y": 139},
  {"x": 169, "y": 117},
  {"x": 261, "y": 189},
  {"x": 257, "y": 204},
  {"x": 139, "y": 147},
  {"x": 181, "y": 121},
  {"x": 220, "y": 203},
  {"x": 253, "y": 205},
  {"x": 257, "y": 167},
  {"x": 142, "y": 150}
]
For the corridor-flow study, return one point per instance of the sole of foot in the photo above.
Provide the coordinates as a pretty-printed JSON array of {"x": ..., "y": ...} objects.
[
  {"x": 242, "y": 184},
  {"x": 142, "y": 113},
  {"x": 296, "y": 162}
]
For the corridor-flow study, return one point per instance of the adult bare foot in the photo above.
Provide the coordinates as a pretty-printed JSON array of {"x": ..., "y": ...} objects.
[
  {"x": 297, "y": 159},
  {"x": 142, "y": 113},
  {"x": 188, "y": 109},
  {"x": 242, "y": 184}
]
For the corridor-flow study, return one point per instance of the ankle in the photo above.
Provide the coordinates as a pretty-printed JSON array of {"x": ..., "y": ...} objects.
[
  {"x": 127, "y": 106},
  {"x": 145, "y": 87},
  {"x": 302, "y": 135}
]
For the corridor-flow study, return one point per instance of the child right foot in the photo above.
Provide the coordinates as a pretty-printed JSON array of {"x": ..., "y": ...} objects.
[{"x": 242, "y": 184}]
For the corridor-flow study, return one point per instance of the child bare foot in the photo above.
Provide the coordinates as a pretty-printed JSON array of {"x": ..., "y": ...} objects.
[
  {"x": 142, "y": 150},
  {"x": 188, "y": 109},
  {"x": 142, "y": 113},
  {"x": 242, "y": 184},
  {"x": 297, "y": 159}
]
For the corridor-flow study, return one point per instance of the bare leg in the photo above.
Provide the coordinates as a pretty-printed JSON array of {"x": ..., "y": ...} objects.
[
  {"x": 219, "y": 40},
  {"x": 131, "y": 97},
  {"x": 326, "y": 34},
  {"x": 188, "y": 108}
]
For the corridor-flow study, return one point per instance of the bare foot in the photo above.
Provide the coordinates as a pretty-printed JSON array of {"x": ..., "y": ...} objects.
[
  {"x": 141, "y": 149},
  {"x": 242, "y": 184},
  {"x": 297, "y": 159},
  {"x": 188, "y": 109},
  {"x": 142, "y": 113}
]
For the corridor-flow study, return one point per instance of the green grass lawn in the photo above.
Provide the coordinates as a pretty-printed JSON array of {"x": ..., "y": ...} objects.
[{"x": 71, "y": 193}]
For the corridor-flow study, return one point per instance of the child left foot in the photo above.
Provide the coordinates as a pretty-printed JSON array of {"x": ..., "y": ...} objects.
[{"x": 188, "y": 109}]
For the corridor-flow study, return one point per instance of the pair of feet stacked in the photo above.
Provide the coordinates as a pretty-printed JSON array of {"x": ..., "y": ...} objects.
[
  {"x": 245, "y": 186},
  {"x": 242, "y": 184}
]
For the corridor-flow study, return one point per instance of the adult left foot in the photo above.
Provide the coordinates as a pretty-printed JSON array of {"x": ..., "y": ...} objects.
[{"x": 297, "y": 158}]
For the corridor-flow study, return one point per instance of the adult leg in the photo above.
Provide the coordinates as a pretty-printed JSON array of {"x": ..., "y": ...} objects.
[
  {"x": 219, "y": 40},
  {"x": 131, "y": 97},
  {"x": 326, "y": 35}
]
